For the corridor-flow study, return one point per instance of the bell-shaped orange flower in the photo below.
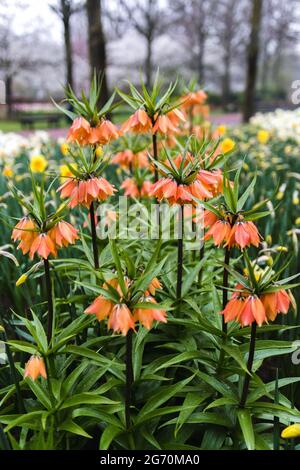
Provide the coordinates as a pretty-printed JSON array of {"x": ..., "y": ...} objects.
[
  {"x": 176, "y": 116},
  {"x": 84, "y": 192},
  {"x": 132, "y": 190},
  {"x": 246, "y": 308},
  {"x": 276, "y": 302},
  {"x": 219, "y": 231},
  {"x": 193, "y": 98},
  {"x": 240, "y": 233},
  {"x": 127, "y": 159},
  {"x": 63, "y": 234},
  {"x": 209, "y": 218},
  {"x": 26, "y": 231},
  {"x": 35, "y": 367},
  {"x": 154, "y": 284},
  {"x": 167, "y": 188},
  {"x": 146, "y": 316},
  {"x": 105, "y": 132},
  {"x": 253, "y": 310},
  {"x": 80, "y": 131},
  {"x": 163, "y": 125},
  {"x": 121, "y": 319},
  {"x": 43, "y": 245},
  {"x": 243, "y": 233},
  {"x": 139, "y": 122},
  {"x": 101, "y": 307},
  {"x": 211, "y": 180}
]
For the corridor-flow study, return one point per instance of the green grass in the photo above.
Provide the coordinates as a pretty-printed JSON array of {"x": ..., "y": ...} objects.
[{"x": 15, "y": 126}]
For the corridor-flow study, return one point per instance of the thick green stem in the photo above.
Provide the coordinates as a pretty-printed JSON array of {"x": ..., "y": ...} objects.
[
  {"x": 225, "y": 286},
  {"x": 201, "y": 256},
  {"x": 180, "y": 254},
  {"x": 94, "y": 236},
  {"x": 155, "y": 155},
  {"x": 129, "y": 378},
  {"x": 49, "y": 299},
  {"x": 249, "y": 365}
]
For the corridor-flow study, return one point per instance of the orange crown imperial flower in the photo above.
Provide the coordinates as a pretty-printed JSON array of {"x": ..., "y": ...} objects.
[
  {"x": 104, "y": 133},
  {"x": 193, "y": 98},
  {"x": 240, "y": 233},
  {"x": 120, "y": 318},
  {"x": 183, "y": 181},
  {"x": 131, "y": 188},
  {"x": 35, "y": 368},
  {"x": 127, "y": 159},
  {"x": 33, "y": 240},
  {"x": 43, "y": 245},
  {"x": 63, "y": 234},
  {"x": 83, "y": 133},
  {"x": 26, "y": 231},
  {"x": 146, "y": 316},
  {"x": 246, "y": 307},
  {"x": 139, "y": 122},
  {"x": 80, "y": 131},
  {"x": 168, "y": 123},
  {"x": 84, "y": 192}
]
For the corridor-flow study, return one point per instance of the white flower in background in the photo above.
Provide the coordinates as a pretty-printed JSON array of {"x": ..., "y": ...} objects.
[{"x": 283, "y": 124}]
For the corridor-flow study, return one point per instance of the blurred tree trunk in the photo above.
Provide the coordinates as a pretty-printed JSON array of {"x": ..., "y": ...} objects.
[
  {"x": 252, "y": 61},
  {"x": 201, "y": 45},
  {"x": 66, "y": 9},
  {"x": 148, "y": 62},
  {"x": 264, "y": 67},
  {"x": 8, "y": 95},
  {"x": 226, "y": 88},
  {"x": 96, "y": 41}
]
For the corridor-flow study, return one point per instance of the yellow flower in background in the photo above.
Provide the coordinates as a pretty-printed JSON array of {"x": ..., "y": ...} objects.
[
  {"x": 8, "y": 172},
  {"x": 65, "y": 172},
  {"x": 21, "y": 280},
  {"x": 291, "y": 431},
  {"x": 263, "y": 136},
  {"x": 38, "y": 163},
  {"x": 296, "y": 198},
  {"x": 64, "y": 148},
  {"x": 269, "y": 239},
  {"x": 245, "y": 166},
  {"x": 221, "y": 129},
  {"x": 281, "y": 248},
  {"x": 227, "y": 145},
  {"x": 297, "y": 221},
  {"x": 99, "y": 151}
]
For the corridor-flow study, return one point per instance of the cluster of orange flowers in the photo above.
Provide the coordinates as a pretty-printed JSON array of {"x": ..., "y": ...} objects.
[
  {"x": 120, "y": 318},
  {"x": 141, "y": 123},
  {"x": 83, "y": 192},
  {"x": 204, "y": 185},
  {"x": 246, "y": 307},
  {"x": 127, "y": 159},
  {"x": 82, "y": 132},
  {"x": 133, "y": 190},
  {"x": 32, "y": 240},
  {"x": 229, "y": 231}
]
